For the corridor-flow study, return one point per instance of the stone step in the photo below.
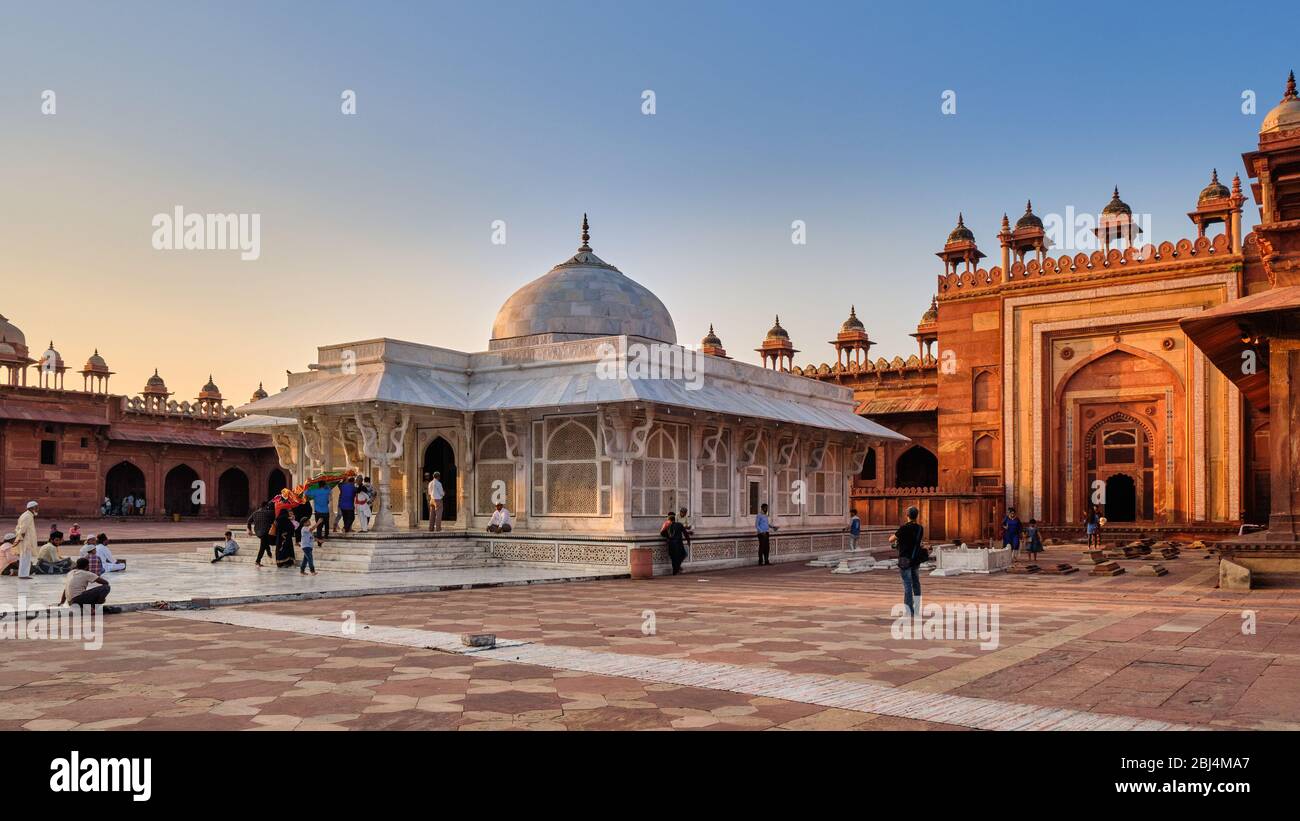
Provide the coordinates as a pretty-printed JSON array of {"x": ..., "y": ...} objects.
[{"x": 369, "y": 557}]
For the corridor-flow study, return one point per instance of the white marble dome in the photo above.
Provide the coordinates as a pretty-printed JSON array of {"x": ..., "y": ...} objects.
[{"x": 582, "y": 298}]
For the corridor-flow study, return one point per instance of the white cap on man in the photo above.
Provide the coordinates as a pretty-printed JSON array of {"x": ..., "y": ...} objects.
[
  {"x": 10, "y": 536},
  {"x": 33, "y": 504}
]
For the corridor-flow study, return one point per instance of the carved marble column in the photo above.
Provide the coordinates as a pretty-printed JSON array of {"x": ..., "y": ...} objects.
[{"x": 383, "y": 435}]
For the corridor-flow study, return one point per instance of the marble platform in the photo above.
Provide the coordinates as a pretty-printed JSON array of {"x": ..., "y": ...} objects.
[
  {"x": 954, "y": 560},
  {"x": 180, "y": 580}
]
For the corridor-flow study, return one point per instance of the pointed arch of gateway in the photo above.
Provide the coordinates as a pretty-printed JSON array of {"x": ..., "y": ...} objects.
[
  {"x": 1120, "y": 410},
  {"x": 916, "y": 467}
]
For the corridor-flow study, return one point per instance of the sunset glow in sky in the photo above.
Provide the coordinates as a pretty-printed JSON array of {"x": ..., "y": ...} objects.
[{"x": 380, "y": 223}]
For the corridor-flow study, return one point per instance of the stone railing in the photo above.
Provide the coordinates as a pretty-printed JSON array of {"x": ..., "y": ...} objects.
[
  {"x": 714, "y": 551},
  {"x": 201, "y": 409}
]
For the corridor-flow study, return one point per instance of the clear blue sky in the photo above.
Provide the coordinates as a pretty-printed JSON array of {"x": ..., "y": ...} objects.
[{"x": 380, "y": 224}]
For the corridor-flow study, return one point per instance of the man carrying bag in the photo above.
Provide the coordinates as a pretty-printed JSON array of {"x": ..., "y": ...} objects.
[{"x": 911, "y": 555}]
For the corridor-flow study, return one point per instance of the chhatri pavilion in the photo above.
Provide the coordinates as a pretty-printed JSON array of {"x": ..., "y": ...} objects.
[{"x": 584, "y": 417}]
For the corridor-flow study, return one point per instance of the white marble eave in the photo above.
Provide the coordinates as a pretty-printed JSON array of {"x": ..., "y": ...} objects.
[{"x": 565, "y": 375}]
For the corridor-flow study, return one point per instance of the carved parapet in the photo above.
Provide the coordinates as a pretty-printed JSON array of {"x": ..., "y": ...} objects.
[{"x": 1097, "y": 264}]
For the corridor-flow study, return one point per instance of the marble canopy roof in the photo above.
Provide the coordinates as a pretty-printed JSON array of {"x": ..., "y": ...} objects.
[{"x": 557, "y": 375}]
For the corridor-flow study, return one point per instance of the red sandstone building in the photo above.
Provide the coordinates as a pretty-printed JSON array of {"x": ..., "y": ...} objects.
[
  {"x": 68, "y": 449},
  {"x": 1063, "y": 376}
]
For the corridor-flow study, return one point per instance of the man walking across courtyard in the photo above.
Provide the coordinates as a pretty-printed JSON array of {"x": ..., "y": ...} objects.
[
  {"x": 907, "y": 539},
  {"x": 259, "y": 524}
]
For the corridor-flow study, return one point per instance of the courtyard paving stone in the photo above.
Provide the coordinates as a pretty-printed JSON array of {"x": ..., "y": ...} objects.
[{"x": 1118, "y": 648}]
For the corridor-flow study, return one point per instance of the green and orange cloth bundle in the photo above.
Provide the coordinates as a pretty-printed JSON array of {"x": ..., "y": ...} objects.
[{"x": 292, "y": 497}]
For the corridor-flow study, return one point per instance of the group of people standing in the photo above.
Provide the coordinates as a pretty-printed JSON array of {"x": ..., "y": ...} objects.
[
  {"x": 21, "y": 556},
  {"x": 283, "y": 522},
  {"x": 130, "y": 505}
]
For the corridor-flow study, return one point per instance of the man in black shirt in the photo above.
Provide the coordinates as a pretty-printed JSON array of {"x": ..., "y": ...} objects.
[
  {"x": 907, "y": 539},
  {"x": 259, "y": 524},
  {"x": 675, "y": 533}
]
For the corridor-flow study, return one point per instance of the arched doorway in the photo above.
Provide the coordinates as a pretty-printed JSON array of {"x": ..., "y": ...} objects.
[
  {"x": 1119, "y": 454},
  {"x": 917, "y": 467},
  {"x": 440, "y": 458},
  {"x": 178, "y": 491},
  {"x": 123, "y": 479},
  {"x": 275, "y": 483},
  {"x": 232, "y": 493},
  {"x": 1121, "y": 498}
]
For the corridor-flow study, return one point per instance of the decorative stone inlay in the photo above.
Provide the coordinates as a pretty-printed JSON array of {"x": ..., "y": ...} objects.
[
  {"x": 592, "y": 554},
  {"x": 712, "y": 551},
  {"x": 524, "y": 551},
  {"x": 791, "y": 545},
  {"x": 828, "y": 542}
]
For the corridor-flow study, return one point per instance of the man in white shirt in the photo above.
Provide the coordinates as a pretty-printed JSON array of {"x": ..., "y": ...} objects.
[
  {"x": 500, "y": 520},
  {"x": 100, "y": 544},
  {"x": 436, "y": 494},
  {"x": 26, "y": 539}
]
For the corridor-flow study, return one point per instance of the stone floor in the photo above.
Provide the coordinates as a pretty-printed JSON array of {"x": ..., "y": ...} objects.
[
  {"x": 131, "y": 530},
  {"x": 785, "y": 647}
]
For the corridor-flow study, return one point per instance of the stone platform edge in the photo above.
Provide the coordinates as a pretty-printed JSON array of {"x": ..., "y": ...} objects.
[{"x": 207, "y": 602}]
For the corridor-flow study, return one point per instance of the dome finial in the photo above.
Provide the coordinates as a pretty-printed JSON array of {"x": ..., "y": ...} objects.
[
  {"x": 586, "y": 235},
  {"x": 1290, "y": 88}
]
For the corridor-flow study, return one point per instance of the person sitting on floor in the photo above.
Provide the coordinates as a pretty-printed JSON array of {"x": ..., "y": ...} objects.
[
  {"x": 77, "y": 589},
  {"x": 91, "y": 555},
  {"x": 223, "y": 549},
  {"x": 74, "y": 534},
  {"x": 100, "y": 545},
  {"x": 500, "y": 520},
  {"x": 8, "y": 555},
  {"x": 48, "y": 560}
]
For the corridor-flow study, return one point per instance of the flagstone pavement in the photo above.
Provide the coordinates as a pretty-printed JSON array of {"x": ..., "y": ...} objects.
[{"x": 1168, "y": 650}]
